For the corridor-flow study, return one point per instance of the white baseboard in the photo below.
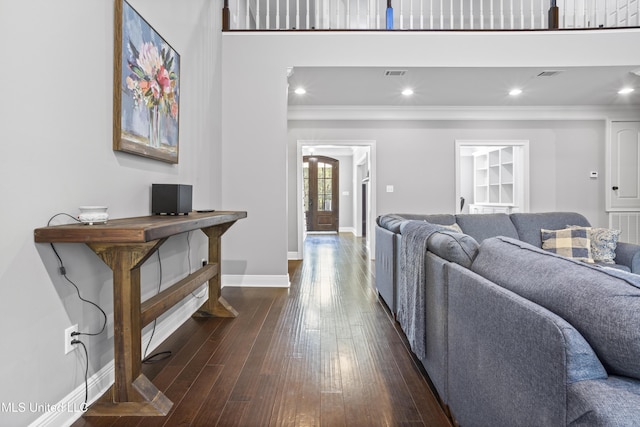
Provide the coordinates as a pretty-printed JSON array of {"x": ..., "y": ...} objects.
[
  {"x": 351, "y": 230},
  {"x": 256, "y": 281},
  {"x": 294, "y": 255},
  {"x": 68, "y": 410}
]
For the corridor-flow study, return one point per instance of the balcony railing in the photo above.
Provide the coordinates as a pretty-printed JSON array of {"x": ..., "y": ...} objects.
[{"x": 428, "y": 14}]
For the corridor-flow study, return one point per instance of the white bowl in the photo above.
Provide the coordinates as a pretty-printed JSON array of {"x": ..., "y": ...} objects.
[{"x": 93, "y": 214}]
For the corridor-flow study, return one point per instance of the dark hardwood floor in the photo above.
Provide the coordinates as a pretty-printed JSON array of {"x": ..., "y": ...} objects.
[{"x": 323, "y": 353}]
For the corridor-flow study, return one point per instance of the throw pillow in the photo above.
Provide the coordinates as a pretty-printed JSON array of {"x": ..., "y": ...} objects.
[
  {"x": 569, "y": 242},
  {"x": 603, "y": 243}
]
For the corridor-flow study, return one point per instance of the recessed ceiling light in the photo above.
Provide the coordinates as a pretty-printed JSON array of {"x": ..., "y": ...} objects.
[
  {"x": 625, "y": 90},
  {"x": 515, "y": 92},
  {"x": 300, "y": 91},
  {"x": 407, "y": 92}
]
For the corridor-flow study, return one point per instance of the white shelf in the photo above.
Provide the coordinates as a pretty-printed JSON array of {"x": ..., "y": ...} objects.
[{"x": 494, "y": 177}]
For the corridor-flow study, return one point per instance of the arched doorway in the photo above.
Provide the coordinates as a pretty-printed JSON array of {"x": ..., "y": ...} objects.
[{"x": 321, "y": 196}]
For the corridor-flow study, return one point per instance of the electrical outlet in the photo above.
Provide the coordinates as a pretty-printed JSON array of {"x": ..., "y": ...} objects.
[
  {"x": 204, "y": 262},
  {"x": 68, "y": 347}
]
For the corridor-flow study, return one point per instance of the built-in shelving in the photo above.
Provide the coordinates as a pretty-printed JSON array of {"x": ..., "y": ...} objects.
[{"x": 494, "y": 177}]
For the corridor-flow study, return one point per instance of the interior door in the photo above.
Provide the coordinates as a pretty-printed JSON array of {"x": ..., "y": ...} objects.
[
  {"x": 624, "y": 166},
  {"x": 321, "y": 176}
]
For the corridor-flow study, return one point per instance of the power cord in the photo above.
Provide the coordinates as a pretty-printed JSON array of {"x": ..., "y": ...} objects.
[
  {"x": 86, "y": 373},
  {"x": 189, "y": 260},
  {"x": 63, "y": 271},
  {"x": 156, "y": 357}
]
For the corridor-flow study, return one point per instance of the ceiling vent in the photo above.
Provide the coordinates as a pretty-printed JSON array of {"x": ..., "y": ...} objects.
[
  {"x": 395, "y": 73},
  {"x": 550, "y": 73}
]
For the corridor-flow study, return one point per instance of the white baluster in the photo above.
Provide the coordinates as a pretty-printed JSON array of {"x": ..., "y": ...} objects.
[
  {"x": 521, "y": 14},
  {"x": 431, "y": 15},
  {"x": 337, "y": 25},
  {"x": 266, "y": 19},
  {"x": 308, "y": 17},
  {"x": 471, "y": 14},
  {"x": 257, "y": 15},
  {"x": 461, "y": 15},
  {"x": 236, "y": 13},
  {"x": 451, "y": 14},
  {"x": 482, "y": 14},
  {"x": 491, "y": 14},
  {"x": 628, "y": 13},
  {"x": 542, "y": 5},
  {"x": 502, "y": 14},
  {"x": 286, "y": 16},
  {"x": 511, "y": 17},
  {"x": 246, "y": 17},
  {"x": 347, "y": 23},
  {"x": 533, "y": 16},
  {"x": 400, "y": 18},
  {"x": 411, "y": 14}
]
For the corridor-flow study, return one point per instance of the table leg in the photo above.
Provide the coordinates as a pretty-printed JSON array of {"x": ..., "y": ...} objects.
[
  {"x": 132, "y": 393},
  {"x": 216, "y": 305}
]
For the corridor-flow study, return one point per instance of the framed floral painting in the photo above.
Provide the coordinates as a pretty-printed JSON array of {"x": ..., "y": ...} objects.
[{"x": 146, "y": 101}]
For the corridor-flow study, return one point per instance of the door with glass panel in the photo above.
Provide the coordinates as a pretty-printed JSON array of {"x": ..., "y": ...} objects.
[{"x": 321, "y": 193}]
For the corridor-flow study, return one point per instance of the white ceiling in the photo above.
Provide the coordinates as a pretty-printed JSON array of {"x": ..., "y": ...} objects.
[{"x": 368, "y": 86}]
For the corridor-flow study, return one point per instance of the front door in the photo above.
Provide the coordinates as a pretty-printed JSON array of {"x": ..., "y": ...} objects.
[{"x": 321, "y": 193}]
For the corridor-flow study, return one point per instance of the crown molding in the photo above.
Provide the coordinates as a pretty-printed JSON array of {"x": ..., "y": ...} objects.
[{"x": 351, "y": 112}]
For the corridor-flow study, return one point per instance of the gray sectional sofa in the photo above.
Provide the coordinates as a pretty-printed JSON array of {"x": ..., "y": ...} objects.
[{"x": 511, "y": 334}]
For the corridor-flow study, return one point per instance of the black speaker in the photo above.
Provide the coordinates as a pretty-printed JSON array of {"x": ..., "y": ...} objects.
[{"x": 171, "y": 199}]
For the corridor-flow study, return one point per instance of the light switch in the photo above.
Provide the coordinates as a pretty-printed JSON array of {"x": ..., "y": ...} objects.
[
  {"x": 593, "y": 174},
  {"x": 345, "y": 193},
  {"x": 389, "y": 188}
]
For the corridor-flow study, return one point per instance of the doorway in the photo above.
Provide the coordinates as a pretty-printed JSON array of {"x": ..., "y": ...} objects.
[
  {"x": 492, "y": 176},
  {"x": 321, "y": 199},
  {"x": 357, "y": 162}
]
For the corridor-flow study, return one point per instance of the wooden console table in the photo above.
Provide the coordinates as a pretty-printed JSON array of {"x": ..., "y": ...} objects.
[{"x": 124, "y": 245}]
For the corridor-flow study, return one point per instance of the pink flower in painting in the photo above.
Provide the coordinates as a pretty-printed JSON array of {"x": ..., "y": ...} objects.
[
  {"x": 152, "y": 82},
  {"x": 164, "y": 80},
  {"x": 149, "y": 59}
]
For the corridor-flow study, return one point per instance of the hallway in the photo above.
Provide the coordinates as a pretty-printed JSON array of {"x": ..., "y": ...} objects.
[{"x": 324, "y": 352}]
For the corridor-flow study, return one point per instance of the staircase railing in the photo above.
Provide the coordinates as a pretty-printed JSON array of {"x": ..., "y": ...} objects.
[{"x": 428, "y": 14}]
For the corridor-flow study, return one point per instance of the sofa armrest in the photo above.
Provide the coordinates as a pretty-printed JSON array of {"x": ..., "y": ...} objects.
[
  {"x": 628, "y": 254},
  {"x": 386, "y": 254},
  {"x": 509, "y": 360}
]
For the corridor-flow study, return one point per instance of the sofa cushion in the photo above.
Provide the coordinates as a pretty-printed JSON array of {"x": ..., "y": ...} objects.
[
  {"x": 454, "y": 247},
  {"x": 568, "y": 242},
  {"x": 601, "y": 303},
  {"x": 528, "y": 225},
  {"x": 483, "y": 226},
  {"x": 614, "y": 401}
]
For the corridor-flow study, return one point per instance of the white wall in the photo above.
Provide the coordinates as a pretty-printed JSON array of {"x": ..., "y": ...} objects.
[
  {"x": 255, "y": 113},
  {"x": 56, "y": 121},
  {"x": 418, "y": 159}
]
